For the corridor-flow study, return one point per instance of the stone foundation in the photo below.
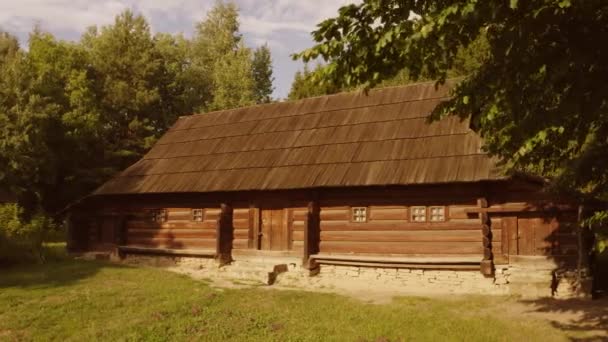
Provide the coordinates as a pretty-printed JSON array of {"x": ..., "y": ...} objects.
[
  {"x": 194, "y": 263},
  {"x": 418, "y": 280},
  {"x": 527, "y": 278}
]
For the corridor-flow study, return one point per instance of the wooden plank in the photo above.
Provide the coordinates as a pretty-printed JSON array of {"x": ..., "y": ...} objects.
[
  {"x": 298, "y": 226},
  {"x": 297, "y": 236},
  {"x": 173, "y": 234},
  {"x": 172, "y": 243},
  {"x": 380, "y": 226},
  {"x": 409, "y": 259},
  {"x": 334, "y": 214},
  {"x": 241, "y": 223},
  {"x": 510, "y": 226},
  {"x": 241, "y": 214},
  {"x": 241, "y": 233},
  {"x": 299, "y": 214},
  {"x": 240, "y": 243},
  {"x": 526, "y": 228},
  {"x": 402, "y": 247},
  {"x": 460, "y": 211},
  {"x": 170, "y": 225},
  {"x": 403, "y": 236},
  {"x": 377, "y": 213},
  {"x": 142, "y": 249}
]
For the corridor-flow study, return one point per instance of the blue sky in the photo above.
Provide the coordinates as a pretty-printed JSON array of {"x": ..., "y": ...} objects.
[{"x": 284, "y": 24}]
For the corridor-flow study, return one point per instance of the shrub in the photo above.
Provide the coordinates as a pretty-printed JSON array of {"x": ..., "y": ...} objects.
[{"x": 20, "y": 238}]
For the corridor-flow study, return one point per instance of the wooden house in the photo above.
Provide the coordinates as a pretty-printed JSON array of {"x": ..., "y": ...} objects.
[{"x": 347, "y": 180}]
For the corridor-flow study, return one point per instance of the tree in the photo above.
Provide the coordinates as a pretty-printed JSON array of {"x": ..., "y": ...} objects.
[
  {"x": 9, "y": 46},
  {"x": 48, "y": 140},
  {"x": 129, "y": 76},
  {"x": 306, "y": 83},
  {"x": 538, "y": 96},
  {"x": 262, "y": 75},
  {"x": 220, "y": 58},
  {"x": 232, "y": 81}
]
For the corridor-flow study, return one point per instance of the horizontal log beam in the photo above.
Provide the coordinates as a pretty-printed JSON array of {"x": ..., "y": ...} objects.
[{"x": 148, "y": 250}]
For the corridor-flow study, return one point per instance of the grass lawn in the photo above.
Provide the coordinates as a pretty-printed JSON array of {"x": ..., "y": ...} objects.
[{"x": 85, "y": 300}]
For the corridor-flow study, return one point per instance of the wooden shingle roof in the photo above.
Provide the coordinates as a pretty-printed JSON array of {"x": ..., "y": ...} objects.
[{"x": 348, "y": 139}]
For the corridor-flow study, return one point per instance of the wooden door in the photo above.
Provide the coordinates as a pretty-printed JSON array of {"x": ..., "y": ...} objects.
[
  {"x": 274, "y": 233},
  {"x": 536, "y": 235}
]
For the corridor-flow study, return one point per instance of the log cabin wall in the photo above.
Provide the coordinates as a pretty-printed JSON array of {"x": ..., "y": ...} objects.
[
  {"x": 243, "y": 221},
  {"x": 298, "y": 218},
  {"x": 172, "y": 228},
  {"x": 389, "y": 230}
]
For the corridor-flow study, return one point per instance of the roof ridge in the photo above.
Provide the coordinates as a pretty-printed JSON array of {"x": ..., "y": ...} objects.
[
  {"x": 294, "y": 130},
  {"x": 353, "y": 92}
]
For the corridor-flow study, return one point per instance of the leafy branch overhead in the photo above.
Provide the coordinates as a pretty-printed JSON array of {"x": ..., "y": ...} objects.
[{"x": 538, "y": 96}]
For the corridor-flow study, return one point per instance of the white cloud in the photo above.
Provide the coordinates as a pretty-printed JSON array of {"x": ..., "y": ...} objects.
[{"x": 284, "y": 24}]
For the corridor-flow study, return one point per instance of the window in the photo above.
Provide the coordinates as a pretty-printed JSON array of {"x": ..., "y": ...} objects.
[
  {"x": 437, "y": 214},
  {"x": 359, "y": 214},
  {"x": 418, "y": 214},
  {"x": 197, "y": 215},
  {"x": 159, "y": 215}
]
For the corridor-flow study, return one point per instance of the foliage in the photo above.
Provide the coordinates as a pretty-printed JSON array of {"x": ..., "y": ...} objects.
[
  {"x": 9, "y": 46},
  {"x": 51, "y": 302},
  {"x": 74, "y": 114},
  {"x": 306, "y": 84},
  {"x": 236, "y": 76},
  {"x": 21, "y": 238},
  {"x": 262, "y": 74},
  {"x": 538, "y": 95}
]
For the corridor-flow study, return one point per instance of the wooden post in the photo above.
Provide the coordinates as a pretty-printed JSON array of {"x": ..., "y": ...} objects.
[
  {"x": 487, "y": 263},
  {"x": 224, "y": 236},
  {"x": 311, "y": 234}
]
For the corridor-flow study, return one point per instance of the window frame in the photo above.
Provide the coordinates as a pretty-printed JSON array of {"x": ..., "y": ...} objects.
[
  {"x": 444, "y": 214},
  {"x": 412, "y": 213},
  {"x": 156, "y": 213},
  {"x": 365, "y": 212},
  {"x": 194, "y": 216}
]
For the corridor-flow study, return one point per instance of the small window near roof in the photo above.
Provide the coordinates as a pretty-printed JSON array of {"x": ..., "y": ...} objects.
[
  {"x": 437, "y": 214},
  {"x": 418, "y": 214},
  {"x": 359, "y": 214},
  {"x": 197, "y": 215},
  {"x": 159, "y": 215}
]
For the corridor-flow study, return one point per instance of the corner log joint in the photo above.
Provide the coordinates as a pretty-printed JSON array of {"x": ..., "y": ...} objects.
[{"x": 487, "y": 263}]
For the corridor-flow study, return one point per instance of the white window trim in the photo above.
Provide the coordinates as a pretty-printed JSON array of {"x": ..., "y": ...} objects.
[
  {"x": 430, "y": 214},
  {"x": 412, "y": 214}
]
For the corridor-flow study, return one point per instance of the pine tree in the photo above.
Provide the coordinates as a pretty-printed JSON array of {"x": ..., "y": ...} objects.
[{"x": 262, "y": 74}]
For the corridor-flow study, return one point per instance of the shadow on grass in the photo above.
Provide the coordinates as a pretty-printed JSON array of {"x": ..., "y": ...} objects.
[
  {"x": 575, "y": 316},
  {"x": 55, "y": 272}
]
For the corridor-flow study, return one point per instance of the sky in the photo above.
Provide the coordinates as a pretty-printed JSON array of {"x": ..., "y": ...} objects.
[{"x": 284, "y": 24}]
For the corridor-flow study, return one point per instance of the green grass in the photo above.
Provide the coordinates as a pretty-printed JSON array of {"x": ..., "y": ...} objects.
[{"x": 85, "y": 300}]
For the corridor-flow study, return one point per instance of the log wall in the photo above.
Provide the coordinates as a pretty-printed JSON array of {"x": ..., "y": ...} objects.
[
  {"x": 242, "y": 223},
  {"x": 179, "y": 231},
  {"x": 389, "y": 231}
]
